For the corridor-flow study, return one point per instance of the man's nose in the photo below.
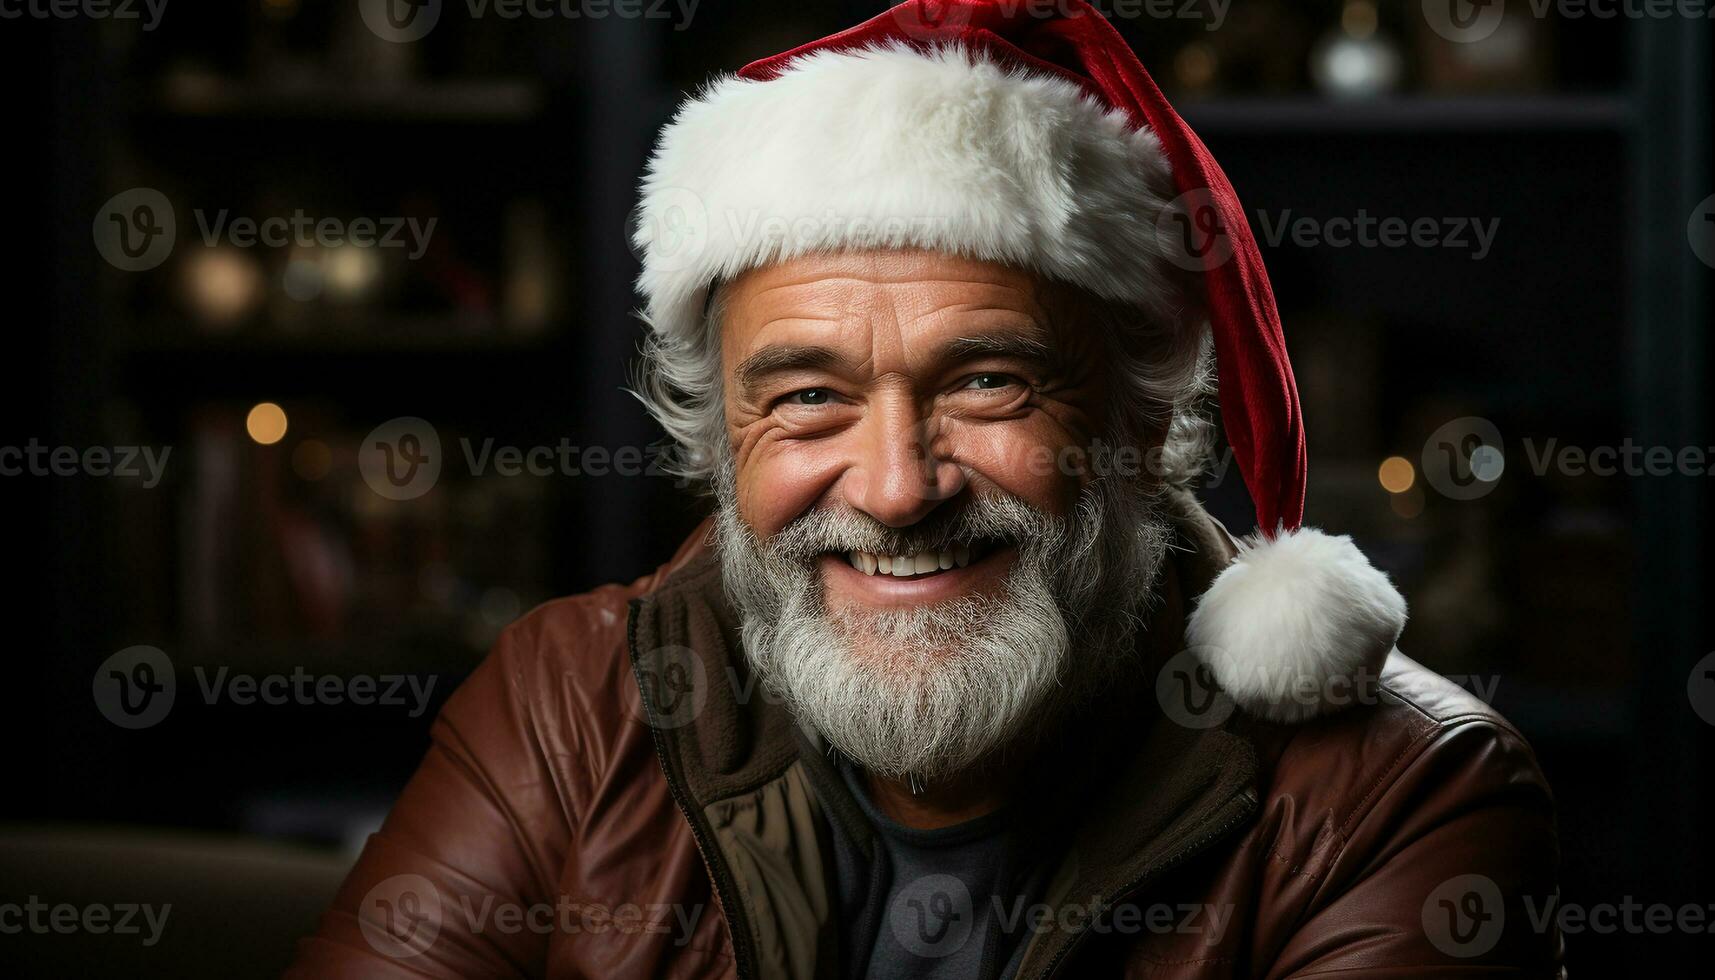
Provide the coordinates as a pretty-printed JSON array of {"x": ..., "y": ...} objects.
[{"x": 902, "y": 475}]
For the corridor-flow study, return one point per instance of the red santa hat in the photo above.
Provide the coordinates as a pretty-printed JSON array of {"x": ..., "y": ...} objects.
[{"x": 1027, "y": 133}]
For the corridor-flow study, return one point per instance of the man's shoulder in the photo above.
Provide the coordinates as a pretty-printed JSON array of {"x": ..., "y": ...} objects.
[
  {"x": 574, "y": 632},
  {"x": 1419, "y": 698},
  {"x": 1417, "y": 749},
  {"x": 570, "y": 655},
  {"x": 1410, "y": 710},
  {"x": 1435, "y": 721},
  {"x": 1373, "y": 813}
]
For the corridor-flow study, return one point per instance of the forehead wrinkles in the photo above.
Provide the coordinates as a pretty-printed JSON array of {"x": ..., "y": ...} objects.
[
  {"x": 845, "y": 314},
  {"x": 886, "y": 319}
]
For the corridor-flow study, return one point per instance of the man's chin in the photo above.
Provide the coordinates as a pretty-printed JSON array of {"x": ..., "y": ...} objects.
[{"x": 902, "y": 659}]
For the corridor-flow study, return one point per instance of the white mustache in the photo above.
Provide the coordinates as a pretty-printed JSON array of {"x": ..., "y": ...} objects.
[{"x": 990, "y": 517}]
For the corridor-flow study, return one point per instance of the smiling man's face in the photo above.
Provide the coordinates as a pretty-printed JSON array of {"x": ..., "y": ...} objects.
[
  {"x": 907, "y": 529},
  {"x": 894, "y": 384}
]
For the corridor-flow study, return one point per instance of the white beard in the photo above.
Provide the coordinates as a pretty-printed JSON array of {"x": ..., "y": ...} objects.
[{"x": 932, "y": 691}]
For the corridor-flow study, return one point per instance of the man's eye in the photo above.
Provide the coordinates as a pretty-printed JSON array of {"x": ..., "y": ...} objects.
[
  {"x": 991, "y": 380},
  {"x": 809, "y": 396}
]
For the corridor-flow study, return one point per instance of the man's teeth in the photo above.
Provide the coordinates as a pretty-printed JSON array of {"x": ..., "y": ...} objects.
[{"x": 901, "y": 566}]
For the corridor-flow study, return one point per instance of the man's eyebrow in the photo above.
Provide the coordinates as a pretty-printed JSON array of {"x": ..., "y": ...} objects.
[
  {"x": 776, "y": 358},
  {"x": 1022, "y": 346}
]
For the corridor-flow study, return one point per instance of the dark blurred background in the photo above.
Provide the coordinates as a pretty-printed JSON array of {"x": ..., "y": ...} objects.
[{"x": 1577, "y": 602}]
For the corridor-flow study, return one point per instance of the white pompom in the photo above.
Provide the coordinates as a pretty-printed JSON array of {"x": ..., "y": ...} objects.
[{"x": 1296, "y": 623}]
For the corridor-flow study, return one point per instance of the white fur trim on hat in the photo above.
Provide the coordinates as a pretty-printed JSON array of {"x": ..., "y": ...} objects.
[
  {"x": 900, "y": 147},
  {"x": 1295, "y": 622}
]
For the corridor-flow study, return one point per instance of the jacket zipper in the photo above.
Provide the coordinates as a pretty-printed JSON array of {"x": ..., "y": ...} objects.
[
  {"x": 726, "y": 888},
  {"x": 1247, "y": 806}
]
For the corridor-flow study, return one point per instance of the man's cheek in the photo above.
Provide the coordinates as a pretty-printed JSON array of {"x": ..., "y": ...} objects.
[
  {"x": 780, "y": 480},
  {"x": 1044, "y": 468}
]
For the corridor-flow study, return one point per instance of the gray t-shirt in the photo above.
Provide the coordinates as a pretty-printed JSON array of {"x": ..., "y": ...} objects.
[{"x": 934, "y": 903}]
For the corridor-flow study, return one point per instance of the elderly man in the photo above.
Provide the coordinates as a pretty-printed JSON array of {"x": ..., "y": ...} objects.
[{"x": 961, "y": 681}]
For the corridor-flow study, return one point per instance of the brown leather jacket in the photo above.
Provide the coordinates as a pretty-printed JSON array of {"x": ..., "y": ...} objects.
[{"x": 567, "y": 823}]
